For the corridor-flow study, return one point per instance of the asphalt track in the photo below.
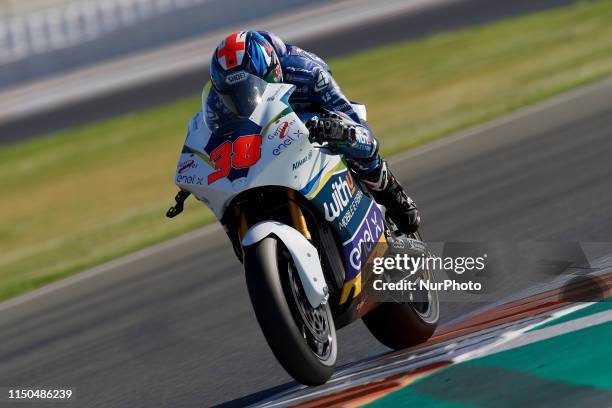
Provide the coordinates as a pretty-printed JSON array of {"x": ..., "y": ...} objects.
[
  {"x": 454, "y": 14},
  {"x": 505, "y": 325},
  {"x": 173, "y": 326}
]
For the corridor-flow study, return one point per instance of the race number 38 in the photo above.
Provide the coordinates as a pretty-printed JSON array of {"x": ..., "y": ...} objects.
[{"x": 244, "y": 152}]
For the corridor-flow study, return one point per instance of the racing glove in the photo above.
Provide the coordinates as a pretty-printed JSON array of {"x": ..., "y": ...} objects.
[{"x": 332, "y": 130}]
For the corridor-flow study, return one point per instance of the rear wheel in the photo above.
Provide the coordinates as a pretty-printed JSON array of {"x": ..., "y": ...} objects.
[
  {"x": 302, "y": 338},
  {"x": 402, "y": 325}
]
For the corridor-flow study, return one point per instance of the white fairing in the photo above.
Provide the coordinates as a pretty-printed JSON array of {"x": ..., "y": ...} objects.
[
  {"x": 303, "y": 253},
  {"x": 360, "y": 110},
  {"x": 287, "y": 157}
]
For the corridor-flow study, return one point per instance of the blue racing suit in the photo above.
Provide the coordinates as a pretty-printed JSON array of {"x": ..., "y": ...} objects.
[{"x": 315, "y": 89}]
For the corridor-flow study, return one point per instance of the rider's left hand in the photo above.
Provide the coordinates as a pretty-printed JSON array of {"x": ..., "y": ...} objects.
[{"x": 331, "y": 129}]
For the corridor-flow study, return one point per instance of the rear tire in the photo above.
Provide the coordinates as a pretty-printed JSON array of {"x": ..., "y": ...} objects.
[
  {"x": 302, "y": 340},
  {"x": 398, "y": 326},
  {"x": 402, "y": 325}
]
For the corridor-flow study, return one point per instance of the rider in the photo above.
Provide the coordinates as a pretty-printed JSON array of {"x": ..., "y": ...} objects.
[{"x": 266, "y": 56}]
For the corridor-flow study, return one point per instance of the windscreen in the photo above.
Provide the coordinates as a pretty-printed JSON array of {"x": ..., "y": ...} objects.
[{"x": 241, "y": 92}]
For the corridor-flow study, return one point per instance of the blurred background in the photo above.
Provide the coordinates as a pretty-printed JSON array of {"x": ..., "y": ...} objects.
[
  {"x": 95, "y": 97},
  {"x": 43, "y": 37}
]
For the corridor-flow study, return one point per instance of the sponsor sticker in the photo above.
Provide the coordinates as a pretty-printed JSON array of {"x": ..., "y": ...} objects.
[
  {"x": 298, "y": 69},
  {"x": 281, "y": 129},
  {"x": 275, "y": 95},
  {"x": 186, "y": 165},
  {"x": 351, "y": 210},
  {"x": 184, "y": 179},
  {"x": 296, "y": 165},
  {"x": 343, "y": 190},
  {"x": 364, "y": 241},
  {"x": 321, "y": 81},
  {"x": 287, "y": 141},
  {"x": 236, "y": 77}
]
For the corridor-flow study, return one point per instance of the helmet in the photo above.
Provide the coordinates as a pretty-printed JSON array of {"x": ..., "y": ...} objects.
[{"x": 241, "y": 55}]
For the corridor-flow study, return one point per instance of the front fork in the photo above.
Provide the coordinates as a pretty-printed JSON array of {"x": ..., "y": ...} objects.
[{"x": 297, "y": 217}]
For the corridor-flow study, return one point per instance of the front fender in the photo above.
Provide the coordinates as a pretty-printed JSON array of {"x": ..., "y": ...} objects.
[{"x": 304, "y": 254}]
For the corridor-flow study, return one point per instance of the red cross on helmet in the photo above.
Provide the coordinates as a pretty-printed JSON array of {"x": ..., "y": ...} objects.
[{"x": 240, "y": 56}]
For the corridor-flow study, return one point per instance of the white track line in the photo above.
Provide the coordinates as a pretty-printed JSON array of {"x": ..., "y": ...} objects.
[
  {"x": 556, "y": 330},
  {"x": 454, "y": 350},
  {"x": 512, "y": 335}
]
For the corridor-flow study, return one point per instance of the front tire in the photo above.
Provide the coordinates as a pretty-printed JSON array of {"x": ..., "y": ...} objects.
[{"x": 303, "y": 339}]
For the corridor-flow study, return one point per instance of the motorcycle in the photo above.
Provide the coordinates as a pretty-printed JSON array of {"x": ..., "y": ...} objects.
[{"x": 301, "y": 225}]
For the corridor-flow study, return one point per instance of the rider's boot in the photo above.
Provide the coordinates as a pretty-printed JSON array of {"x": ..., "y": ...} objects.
[{"x": 387, "y": 191}]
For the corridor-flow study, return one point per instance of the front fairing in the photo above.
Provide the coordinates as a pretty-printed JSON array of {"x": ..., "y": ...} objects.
[{"x": 271, "y": 148}]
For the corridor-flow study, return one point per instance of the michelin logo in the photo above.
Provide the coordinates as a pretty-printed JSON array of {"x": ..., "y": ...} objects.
[{"x": 303, "y": 160}]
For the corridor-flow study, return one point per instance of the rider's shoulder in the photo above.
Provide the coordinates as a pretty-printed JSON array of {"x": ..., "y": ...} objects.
[
  {"x": 289, "y": 53},
  {"x": 300, "y": 55},
  {"x": 279, "y": 45},
  {"x": 301, "y": 67}
]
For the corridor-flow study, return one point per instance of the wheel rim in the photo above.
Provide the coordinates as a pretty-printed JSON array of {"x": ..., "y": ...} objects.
[
  {"x": 426, "y": 302},
  {"x": 314, "y": 323},
  {"x": 428, "y": 308}
]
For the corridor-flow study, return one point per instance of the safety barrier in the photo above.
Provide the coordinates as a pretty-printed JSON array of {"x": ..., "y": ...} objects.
[{"x": 29, "y": 28}]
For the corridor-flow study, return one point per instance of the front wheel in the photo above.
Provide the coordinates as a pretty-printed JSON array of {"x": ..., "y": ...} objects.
[{"x": 302, "y": 338}]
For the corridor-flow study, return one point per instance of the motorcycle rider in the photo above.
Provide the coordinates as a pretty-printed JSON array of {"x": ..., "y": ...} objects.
[{"x": 266, "y": 56}]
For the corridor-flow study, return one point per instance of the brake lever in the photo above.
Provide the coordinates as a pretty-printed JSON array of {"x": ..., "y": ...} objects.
[
  {"x": 310, "y": 126},
  {"x": 176, "y": 209}
]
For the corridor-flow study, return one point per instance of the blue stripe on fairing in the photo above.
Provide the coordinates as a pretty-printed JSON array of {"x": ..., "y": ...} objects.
[
  {"x": 312, "y": 182},
  {"x": 285, "y": 98}
]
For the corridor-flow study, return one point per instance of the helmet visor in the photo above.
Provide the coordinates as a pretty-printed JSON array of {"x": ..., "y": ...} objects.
[{"x": 241, "y": 92}]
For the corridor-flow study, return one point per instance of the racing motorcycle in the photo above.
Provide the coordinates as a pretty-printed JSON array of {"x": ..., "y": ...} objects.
[{"x": 301, "y": 225}]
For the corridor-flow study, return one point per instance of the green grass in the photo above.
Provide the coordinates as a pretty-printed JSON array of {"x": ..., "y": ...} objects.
[{"x": 91, "y": 194}]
